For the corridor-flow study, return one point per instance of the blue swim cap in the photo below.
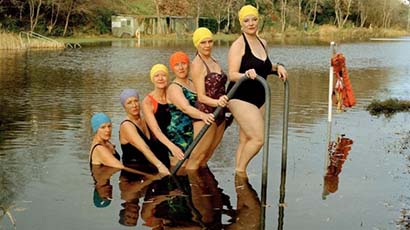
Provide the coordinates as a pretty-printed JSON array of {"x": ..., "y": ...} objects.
[{"x": 98, "y": 119}]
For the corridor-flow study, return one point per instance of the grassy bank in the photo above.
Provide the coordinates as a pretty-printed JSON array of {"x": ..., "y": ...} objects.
[
  {"x": 12, "y": 41},
  {"x": 324, "y": 33}
]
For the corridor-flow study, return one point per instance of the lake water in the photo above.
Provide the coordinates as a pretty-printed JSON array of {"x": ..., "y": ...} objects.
[{"x": 47, "y": 98}]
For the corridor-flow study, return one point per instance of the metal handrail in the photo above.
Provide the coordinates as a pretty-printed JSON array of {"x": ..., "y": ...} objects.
[
  {"x": 205, "y": 128},
  {"x": 266, "y": 147},
  {"x": 266, "y": 139},
  {"x": 282, "y": 189},
  {"x": 35, "y": 35}
]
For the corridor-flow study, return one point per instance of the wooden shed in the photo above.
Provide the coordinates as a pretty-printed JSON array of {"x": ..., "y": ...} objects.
[{"x": 128, "y": 26}]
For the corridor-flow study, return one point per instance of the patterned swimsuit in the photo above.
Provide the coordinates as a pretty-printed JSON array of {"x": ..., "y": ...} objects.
[
  {"x": 180, "y": 130},
  {"x": 214, "y": 88}
]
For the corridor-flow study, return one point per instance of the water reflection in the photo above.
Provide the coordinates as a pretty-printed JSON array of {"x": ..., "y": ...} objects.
[
  {"x": 337, "y": 153},
  {"x": 47, "y": 98},
  {"x": 190, "y": 201},
  {"x": 133, "y": 188},
  {"x": 248, "y": 210},
  {"x": 102, "y": 186}
]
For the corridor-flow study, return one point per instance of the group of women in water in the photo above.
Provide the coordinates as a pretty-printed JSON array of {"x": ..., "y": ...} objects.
[{"x": 158, "y": 130}]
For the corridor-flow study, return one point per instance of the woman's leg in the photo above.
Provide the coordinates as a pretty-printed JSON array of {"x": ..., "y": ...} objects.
[
  {"x": 216, "y": 140},
  {"x": 201, "y": 150},
  {"x": 251, "y": 136}
]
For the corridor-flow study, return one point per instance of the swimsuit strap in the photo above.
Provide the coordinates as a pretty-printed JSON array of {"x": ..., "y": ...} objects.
[
  {"x": 247, "y": 46},
  {"x": 154, "y": 103},
  {"x": 139, "y": 130},
  {"x": 92, "y": 151},
  {"x": 207, "y": 68},
  {"x": 183, "y": 87}
]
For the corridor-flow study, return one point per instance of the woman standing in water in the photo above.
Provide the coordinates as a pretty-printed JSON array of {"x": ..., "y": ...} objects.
[
  {"x": 248, "y": 57},
  {"x": 209, "y": 81},
  {"x": 156, "y": 112},
  {"x": 181, "y": 98},
  {"x": 136, "y": 145}
]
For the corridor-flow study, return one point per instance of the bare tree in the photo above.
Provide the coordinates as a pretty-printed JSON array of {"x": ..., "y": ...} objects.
[
  {"x": 342, "y": 11},
  {"x": 314, "y": 12},
  {"x": 157, "y": 9},
  {"x": 35, "y": 6},
  {"x": 363, "y": 9},
  {"x": 20, "y": 6},
  {"x": 55, "y": 11},
  {"x": 69, "y": 9},
  {"x": 283, "y": 14}
]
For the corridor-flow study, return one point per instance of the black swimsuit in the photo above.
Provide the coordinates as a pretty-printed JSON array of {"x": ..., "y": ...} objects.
[
  {"x": 116, "y": 154},
  {"x": 252, "y": 91},
  {"x": 163, "y": 117},
  {"x": 132, "y": 155}
]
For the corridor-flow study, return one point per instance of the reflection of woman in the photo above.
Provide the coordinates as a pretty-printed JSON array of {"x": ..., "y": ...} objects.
[
  {"x": 167, "y": 204},
  {"x": 156, "y": 111},
  {"x": 248, "y": 210},
  {"x": 136, "y": 145},
  {"x": 103, "y": 188},
  {"x": 133, "y": 187},
  {"x": 209, "y": 81},
  {"x": 248, "y": 56},
  {"x": 207, "y": 197},
  {"x": 181, "y": 98}
]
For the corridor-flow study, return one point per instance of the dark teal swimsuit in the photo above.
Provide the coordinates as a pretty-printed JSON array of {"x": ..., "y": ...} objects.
[{"x": 180, "y": 130}]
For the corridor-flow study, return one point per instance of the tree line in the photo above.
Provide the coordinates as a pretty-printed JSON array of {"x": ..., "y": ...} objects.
[{"x": 68, "y": 17}]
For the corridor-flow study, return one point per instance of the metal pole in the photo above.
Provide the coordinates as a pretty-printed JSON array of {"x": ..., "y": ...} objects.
[
  {"x": 266, "y": 144},
  {"x": 205, "y": 128},
  {"x": 284, "y": 157},
  {"x": 329, "y": 111},
  {"x": 265, "y": 157}
]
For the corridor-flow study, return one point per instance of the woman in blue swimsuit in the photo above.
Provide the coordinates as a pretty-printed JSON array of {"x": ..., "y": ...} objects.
[
  {"x": 181, "y": 98},
  {"x": 248, "y": 57}
]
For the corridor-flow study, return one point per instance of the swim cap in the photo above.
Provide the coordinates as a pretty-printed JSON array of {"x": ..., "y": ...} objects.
[
  {"x": 200, "y": 34},
  {"x": 156, "y": 68},
  {"x": 178, "y": 57},
  {"x": 98, "y": 119},
  {"x": 246, "y": 11},
  {"x": 126, "y": 93}
]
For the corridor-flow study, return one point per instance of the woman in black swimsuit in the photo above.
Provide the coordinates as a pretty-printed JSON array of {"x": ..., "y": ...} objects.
[
  {"x": 157, "y": 114},
  {"x": 248, "y": 57},
  {"x": 135, "y": 138},
  {"x": 102, "y": 150},
  {"x": 209, "y": 80}
]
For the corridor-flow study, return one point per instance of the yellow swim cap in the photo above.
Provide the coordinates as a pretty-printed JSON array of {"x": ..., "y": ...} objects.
[
  {"x": 157, "y": 68},
  {"x": 246, "y": 11},
  {"x": 200, "y": 34}
]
